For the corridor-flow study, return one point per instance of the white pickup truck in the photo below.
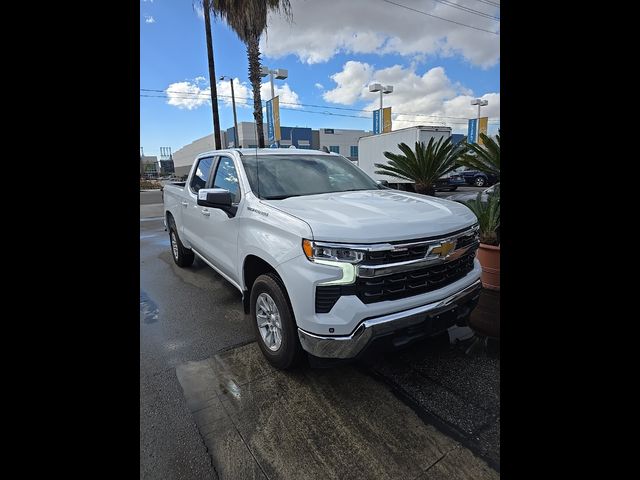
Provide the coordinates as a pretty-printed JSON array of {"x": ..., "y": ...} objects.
[{"x": 328, "y": 261}]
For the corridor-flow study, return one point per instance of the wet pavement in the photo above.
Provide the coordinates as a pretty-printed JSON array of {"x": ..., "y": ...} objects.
[
  {"x": 454, "y": 387},
  {"x": 427, "y": 412},
  {"x": 259, "y": 422}
]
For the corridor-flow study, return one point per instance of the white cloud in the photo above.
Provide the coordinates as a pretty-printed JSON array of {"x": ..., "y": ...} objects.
[
  {"x": 319, "y": 86},
  {"x": 367, "y": 26},
  {"x": 288, "y": 98},
  {"x": 149, "y": 19},
  {"x": 189, "y": 95},
  {"x": 431, "y": 93},
  {"x": 199, "y": 10},
  {"x": 352, "y": 83}
]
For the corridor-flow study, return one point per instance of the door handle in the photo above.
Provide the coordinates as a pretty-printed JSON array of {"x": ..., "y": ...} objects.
[
  {"x": 205, "y": 212},
  {"x": 184, "y": 204}
]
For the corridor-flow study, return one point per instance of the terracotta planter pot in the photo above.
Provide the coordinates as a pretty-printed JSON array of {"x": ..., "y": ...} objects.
[{"x": 489, "y": 258}]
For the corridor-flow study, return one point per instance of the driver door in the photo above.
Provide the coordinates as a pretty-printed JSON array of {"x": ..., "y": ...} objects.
[{"x": 220, "y": 232}]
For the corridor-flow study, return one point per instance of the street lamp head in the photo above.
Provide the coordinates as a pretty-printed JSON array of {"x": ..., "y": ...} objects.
[
  {"x": 264, "y": 71},
  {"x": 375, "y": 87},
  {"x": 479, "y": 101},
  {"x": 387, "y": 89},
  {"x": 281, "y": 73}
]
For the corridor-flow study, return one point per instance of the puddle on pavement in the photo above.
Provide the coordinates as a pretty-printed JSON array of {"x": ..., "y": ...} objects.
[{"x": 148, "y": 308}]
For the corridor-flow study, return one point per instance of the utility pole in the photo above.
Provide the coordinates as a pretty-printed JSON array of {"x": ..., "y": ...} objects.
[
  {"x": 235, "y": 118},
  {"x": 212, "y": 75}
]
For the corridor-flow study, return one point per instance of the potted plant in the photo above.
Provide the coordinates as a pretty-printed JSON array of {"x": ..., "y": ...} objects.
[{"x": 488, "y": 213}]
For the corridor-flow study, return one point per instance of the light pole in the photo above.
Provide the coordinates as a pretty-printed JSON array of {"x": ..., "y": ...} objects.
[
  {"x": 481, "y": 103},
  {"x": 235, "y": 118},
  {"x": 280, "y": 73},
  {"x": 383, "y": 89}
]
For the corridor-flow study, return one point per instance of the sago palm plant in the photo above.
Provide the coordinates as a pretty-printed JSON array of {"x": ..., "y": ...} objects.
[
  {"x": 488, "y": 214},
  {"x": 424, "y": 165}
]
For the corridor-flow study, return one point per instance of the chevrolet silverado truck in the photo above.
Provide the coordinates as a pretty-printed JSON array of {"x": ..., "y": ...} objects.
[{"x": 328, "y": 261}]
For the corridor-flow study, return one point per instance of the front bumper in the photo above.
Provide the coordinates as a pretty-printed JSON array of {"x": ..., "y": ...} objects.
[{"x": 451, "y": 309}]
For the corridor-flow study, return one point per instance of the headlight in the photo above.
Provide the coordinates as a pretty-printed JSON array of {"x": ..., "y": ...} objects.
[
  {"x": 320, "y": 251},
  {"x": 343, "y": 258}
]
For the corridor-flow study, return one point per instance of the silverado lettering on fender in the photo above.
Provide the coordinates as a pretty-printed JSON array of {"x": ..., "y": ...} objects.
[{"x": 329, "y": 262}]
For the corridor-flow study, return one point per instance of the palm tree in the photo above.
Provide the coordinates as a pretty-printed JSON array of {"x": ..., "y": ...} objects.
[
  {"x": 425, "y": 165},
  {"x": 486, "y": 157},
  {"x": 212, "y": 73},
  {"x": 248, "y": 18}
]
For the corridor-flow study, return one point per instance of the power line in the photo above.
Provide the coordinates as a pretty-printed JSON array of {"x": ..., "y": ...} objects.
[
  {"x": 466, "y": 9},
  {"x": 205, "y": 96},
  {"x": 440, "y": 18},
  {"x": 362, "y": 117},
  {"x": 490, "y": 3}
]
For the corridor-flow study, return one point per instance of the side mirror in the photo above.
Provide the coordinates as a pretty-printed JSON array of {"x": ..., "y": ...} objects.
[
  {"x": 214, "y": 197},
  {"x": 384, "y": 183}
]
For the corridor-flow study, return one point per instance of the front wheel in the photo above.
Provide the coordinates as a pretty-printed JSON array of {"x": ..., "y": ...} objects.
[
  {"x": 273, "y": 322},
  {"x": 479, "y": 182}
]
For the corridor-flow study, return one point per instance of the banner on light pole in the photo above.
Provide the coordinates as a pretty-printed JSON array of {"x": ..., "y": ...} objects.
[
  {"x": 472, "y": 130},
  {"x": 376, "y": 122},
  {"x": 482, "y": 128},
  {"x": 386, "y": 119}
]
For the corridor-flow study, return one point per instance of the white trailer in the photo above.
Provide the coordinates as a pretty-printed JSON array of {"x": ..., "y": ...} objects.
[{"x": 371, "y": 149}]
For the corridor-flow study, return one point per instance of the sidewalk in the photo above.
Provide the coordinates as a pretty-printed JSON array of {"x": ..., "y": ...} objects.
[{"x": 151, "y": 211}]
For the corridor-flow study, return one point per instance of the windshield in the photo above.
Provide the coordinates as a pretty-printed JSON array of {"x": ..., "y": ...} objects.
[{"x": 283, "y": 176}]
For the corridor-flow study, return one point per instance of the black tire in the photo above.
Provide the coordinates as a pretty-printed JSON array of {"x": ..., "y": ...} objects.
[
  {"x": 479, "y": 181},
  {"x": 289, "y": 353},
  {"x": 181, "y": 255}
]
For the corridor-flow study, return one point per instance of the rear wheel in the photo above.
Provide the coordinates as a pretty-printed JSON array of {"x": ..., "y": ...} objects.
[
  {"x": 479, "y": 181},
  {"x": 273, "y": 322},
  {"x": 181, "y": 255}
]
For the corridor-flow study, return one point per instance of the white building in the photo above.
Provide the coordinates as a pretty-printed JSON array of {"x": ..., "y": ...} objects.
[
  {"x": 344, "y": 142},
  {"x": 184, "y": 157}
]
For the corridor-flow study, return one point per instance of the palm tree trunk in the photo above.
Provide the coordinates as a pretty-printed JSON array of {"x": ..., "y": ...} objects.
[
  {"x": 212, "y": 76},
  {"x": 253, "y": 53}
]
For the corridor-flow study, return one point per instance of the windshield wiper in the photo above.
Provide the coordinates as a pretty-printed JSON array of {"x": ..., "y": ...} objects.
[{"x": 279, "y": 197}]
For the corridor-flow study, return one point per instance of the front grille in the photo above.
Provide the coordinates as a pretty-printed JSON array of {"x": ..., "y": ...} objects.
[
  {"x": 389, "y": 256},
  {"x": 398, "y": 285},
  {"x": 414, "y": 252}
]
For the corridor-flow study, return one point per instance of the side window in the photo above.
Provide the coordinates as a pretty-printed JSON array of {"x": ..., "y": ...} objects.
[
  {"x": 201, "y": 174},
  {"x": 227, "y": 178}
]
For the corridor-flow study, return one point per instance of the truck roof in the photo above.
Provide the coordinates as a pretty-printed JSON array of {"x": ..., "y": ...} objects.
[{"x": 266, "y": 151}]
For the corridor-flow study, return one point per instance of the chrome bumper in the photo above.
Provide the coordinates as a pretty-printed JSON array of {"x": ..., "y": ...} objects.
[{"x": 349, "y": 346}]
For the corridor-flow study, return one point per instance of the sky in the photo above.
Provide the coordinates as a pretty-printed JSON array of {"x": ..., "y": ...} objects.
[{"x": 438, "y": 55}]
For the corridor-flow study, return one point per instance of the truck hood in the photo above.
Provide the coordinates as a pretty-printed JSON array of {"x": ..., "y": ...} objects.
[{"x": 374, "y": 216}]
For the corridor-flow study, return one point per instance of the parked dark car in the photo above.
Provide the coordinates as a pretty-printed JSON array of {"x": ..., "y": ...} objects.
[
  {"x": 466, "y": 196},
  {"x": 450, "y": 182},
  {"x": 478, "y": 178}
]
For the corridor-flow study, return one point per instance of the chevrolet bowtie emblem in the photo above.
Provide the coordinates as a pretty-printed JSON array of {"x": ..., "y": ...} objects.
[{"x": 444, "y": 249}]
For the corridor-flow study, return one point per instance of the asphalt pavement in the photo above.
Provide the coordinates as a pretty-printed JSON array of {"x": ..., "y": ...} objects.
[{"x": 192, "y": 318}]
